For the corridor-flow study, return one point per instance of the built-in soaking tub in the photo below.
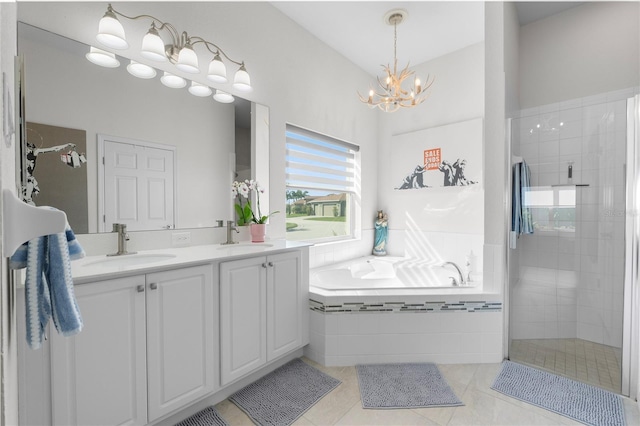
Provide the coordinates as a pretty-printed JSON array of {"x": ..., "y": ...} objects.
[
  {"x": 380, "y": 273},
  {"x": 394, "y": 309}
]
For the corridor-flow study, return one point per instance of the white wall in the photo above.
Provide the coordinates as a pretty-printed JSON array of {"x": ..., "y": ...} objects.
[
  {"x": 588, "y": 49},
  {"x": 8, "y": 346},
  {"x": 457, "y": 95},
  {"x": 494, "y": 147},
  {"x": 293, "y": 73}
]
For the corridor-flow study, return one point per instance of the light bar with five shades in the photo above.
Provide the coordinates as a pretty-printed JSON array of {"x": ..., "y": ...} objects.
[{"x": 179, "y": 52}]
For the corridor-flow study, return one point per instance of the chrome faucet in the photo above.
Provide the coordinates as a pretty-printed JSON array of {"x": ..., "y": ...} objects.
[
  {"x": 230, "y": 227},
  {"x": 123, "y": 237},
  {"x": 454, "y": 281}
]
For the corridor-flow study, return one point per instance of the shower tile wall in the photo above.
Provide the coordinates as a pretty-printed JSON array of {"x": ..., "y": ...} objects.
[{"x": 571, "y": 270}]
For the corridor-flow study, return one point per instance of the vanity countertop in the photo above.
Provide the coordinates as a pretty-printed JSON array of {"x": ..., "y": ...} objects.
[{"x": 96, "y": 268}]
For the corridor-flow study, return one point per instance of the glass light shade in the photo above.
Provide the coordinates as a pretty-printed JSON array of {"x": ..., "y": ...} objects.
[
  {"x": 188, "y": 60},
  {"x": 153, "y": 46},
  {"x": 111, "y": 32},
  {"x": 242, "y": 81},
  {"x": 173, "y": 81},
  {"x": 141, "y": 70},
  {"x": 102, "y": 58},
  {"x": 223, "y": 97},
  {"x": 198, "y": 89},
  {"x": 217, "y": 70}
]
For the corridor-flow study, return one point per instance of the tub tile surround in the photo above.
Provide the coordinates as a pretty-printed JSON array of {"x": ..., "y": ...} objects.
[
  {"x": 570, "y": 281},
  {"x": 454, "y": 337}
]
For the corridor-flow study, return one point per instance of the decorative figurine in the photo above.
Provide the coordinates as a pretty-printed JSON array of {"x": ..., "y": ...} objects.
[{"x": 382, "y": 231}]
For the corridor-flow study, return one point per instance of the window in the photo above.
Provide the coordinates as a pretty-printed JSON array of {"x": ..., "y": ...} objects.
[
  {"x": 553, "y": 208},
  {"x": 321, "y": 185}
]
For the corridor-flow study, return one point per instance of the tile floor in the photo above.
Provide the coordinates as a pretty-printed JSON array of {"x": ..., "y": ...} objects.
[
  {"x": 470, "y": 382},
  {"x": 578, "y": 359}
]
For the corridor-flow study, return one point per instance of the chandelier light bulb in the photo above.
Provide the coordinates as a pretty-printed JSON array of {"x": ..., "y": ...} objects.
[
  {"x": 139, "y": 70},
  {"x": 217, "y": 70},
  {"x": 153, "y": 46},
  {"x": 223, "y": 97},
  {"x": 241, "y": 80},
  {"x": 197, "y": 89},
  {"x": 102, "y": 58},
  {"x": 188, "y": 60},
  {"x": 111, "y": 31},
  {"x": 173, "y": 81}
]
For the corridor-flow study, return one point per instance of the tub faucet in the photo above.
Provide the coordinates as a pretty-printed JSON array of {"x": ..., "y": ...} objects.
[
  {"x": 123, "y": 237},
  {"x": 231, "y": 227},
  {"x": 456, "y": 282}
]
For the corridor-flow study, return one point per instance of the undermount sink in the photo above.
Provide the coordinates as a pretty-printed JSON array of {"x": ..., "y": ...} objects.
[
  {"x": 245, "y": 248},
  {"x": 131, "y": 259}
]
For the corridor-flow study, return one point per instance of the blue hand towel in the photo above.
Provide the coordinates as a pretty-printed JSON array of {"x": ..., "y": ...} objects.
[
  {"x": 521, "y": 218},
  {"x": 49, "y": 284}
]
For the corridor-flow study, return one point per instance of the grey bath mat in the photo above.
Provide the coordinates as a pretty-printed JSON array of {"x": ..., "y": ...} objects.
[
  {"x": 411, "y": 385},
  {"x": 282, "y": 396},
  {"x": 207, "y": 417},
  {"x": 585, "y": 403}
]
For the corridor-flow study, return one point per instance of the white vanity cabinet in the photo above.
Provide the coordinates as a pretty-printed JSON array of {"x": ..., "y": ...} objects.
[
  {"x": 156, "y": 341},
  {"x": 148, "y": 347},
  {"x": 182, "y": 338},
  {"x": 99, "y": 375},
  {"x": 262, "y": 311}
]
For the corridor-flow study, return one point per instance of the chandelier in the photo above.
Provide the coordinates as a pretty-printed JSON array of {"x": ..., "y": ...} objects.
[
  {"x": 179, "y": 51},
  {"x": 391, "y": 95}
]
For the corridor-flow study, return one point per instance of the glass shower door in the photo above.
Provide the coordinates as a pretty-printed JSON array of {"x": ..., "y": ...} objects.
[{"x": 566, "y": 292}]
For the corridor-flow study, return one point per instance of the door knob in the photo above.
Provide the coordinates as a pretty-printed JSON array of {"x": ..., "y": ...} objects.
[{"x": 153, "y": 286}]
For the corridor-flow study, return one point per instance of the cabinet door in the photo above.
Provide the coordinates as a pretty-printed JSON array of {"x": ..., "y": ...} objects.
[
  {"x": 284, "y": 289},
  {"x": 242, "y": 317},
  {"x": 98, "y": 376},
  {"x": 180, "y": 338}
]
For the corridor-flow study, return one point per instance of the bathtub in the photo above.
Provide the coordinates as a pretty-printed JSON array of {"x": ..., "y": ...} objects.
[
  {"x": 384, "y": 273},
  {"x": 394, "y": 309}
]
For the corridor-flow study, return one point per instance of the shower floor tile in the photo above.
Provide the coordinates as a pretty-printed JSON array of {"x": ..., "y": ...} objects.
[{"x": 589, "y": 362}]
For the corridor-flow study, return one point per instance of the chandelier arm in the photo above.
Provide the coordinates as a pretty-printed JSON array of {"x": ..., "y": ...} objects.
[{"x": 207, "y": 43}]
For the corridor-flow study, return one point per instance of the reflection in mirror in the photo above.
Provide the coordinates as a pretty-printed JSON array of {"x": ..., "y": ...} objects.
[{"x": 212, "y": 143}]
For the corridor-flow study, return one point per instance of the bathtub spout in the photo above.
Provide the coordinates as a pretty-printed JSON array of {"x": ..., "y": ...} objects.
[{"x": 461, "y": 280}]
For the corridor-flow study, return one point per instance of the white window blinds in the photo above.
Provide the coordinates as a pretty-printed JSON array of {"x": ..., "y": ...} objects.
[{"x": 317, "y": 161}]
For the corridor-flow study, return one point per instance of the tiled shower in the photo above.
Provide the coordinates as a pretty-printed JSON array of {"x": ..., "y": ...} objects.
[{"x": 567, "y": 278}]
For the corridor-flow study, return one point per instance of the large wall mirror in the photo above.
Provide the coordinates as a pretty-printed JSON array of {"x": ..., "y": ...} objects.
[{"x": 105, "y": 146}]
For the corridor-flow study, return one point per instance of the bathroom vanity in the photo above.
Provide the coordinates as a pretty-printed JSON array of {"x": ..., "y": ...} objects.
[{"x": 165, "y": 329}]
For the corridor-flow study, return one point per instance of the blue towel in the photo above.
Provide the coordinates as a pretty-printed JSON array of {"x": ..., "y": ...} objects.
[
  {"x": 521, "y": 218},
  {"x": 49, "y": 284}
]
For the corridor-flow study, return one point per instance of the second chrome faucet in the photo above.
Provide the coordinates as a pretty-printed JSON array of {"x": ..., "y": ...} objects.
[{"x": 230, "y": 228}]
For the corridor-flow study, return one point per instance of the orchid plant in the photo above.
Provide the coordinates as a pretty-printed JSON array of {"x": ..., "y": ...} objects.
[{"x": 241, "y": 191}]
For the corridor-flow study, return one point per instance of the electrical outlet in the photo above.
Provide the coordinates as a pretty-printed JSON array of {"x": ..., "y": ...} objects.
[{"x": 180, "y": 239}]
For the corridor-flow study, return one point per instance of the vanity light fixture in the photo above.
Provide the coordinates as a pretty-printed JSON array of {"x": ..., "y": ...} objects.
[
  {"x": 102, "y": 58},
  {"x": 173, "y": 81},
  {"x": 141, "y": 70},
  {"x": 391, "y": 94},
  {"x": 179, "y": 51},
  {"x": 200, "y": 90},
  {"x": 223, "y": 97}
]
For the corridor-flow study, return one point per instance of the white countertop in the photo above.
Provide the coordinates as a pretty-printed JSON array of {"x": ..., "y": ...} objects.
[{"x": 96, "y": 268}]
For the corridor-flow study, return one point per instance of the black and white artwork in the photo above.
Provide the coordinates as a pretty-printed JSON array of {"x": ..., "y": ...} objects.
[{"x": 445, "y": 156}]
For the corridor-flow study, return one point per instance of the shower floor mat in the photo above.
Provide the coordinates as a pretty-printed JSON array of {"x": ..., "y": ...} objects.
[
  {"x": 410, "y": 385},
  {"x": 282, "y": 396},
  {"x": 588, "y": 404}
]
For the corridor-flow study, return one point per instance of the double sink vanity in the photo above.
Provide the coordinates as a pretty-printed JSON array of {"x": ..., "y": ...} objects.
[{"x": 166, "y": 329}]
